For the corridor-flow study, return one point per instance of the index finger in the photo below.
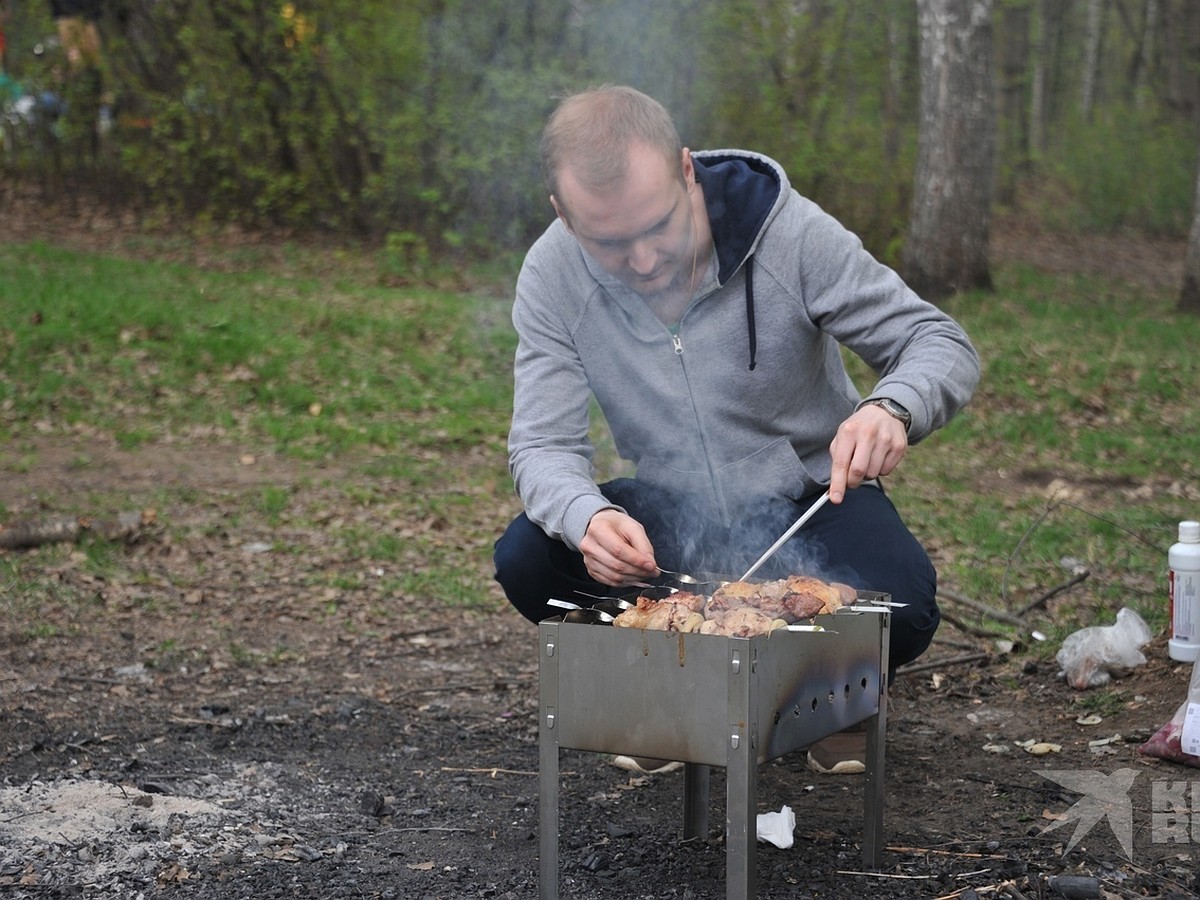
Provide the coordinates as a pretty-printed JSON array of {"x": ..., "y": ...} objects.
[{"x": 838, "y": 475}]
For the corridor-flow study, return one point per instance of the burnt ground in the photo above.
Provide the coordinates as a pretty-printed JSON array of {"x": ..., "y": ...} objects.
[{"x": 212, "y": 724}]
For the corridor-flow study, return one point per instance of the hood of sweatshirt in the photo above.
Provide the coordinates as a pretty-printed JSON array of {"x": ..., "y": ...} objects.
[{"x": 756, "y": 182}]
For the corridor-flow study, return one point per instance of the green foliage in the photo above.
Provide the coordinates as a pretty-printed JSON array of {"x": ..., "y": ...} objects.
[
  {"x": 1128, "y": 168},
  {"x": 422, "y": 119}
]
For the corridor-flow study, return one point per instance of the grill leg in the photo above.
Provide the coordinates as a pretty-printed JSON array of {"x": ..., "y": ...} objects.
[
  {"x": 741, "y": 772},
  {"x": 873, "y": 789},
  {"x": 548, "y": 782},
  {"x": 548, "y": 819},
  {"x": 695, "y": 800},
  {"x": 741, "y": 828}
]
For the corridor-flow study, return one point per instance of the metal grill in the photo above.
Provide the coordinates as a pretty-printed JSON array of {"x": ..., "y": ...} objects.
[{"x": 710, "y": 700}]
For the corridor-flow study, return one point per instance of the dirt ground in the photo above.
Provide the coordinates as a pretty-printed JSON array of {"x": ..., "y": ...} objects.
[{"x": 205, "y": 730}]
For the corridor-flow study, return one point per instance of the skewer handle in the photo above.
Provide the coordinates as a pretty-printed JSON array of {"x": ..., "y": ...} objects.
[{"x": 808, "y": 514}]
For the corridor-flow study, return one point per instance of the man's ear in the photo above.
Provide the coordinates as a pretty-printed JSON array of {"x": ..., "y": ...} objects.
[
  {"x": 560, "y": 212},
  {"x": 689, "y": 170}
]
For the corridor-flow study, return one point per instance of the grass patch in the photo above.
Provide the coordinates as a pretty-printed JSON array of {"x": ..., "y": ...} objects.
[
  {"x": 144, "y": 350},
  {"x": 1078, "y": 449}
]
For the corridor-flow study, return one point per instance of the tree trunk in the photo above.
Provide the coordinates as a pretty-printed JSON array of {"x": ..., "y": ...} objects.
[
  {"x": 893, "y": 85},
  {"x": 1091, "y": 58},
  {"x": 1189, "y": 297},
  {"x": 1181, "y": 56},
  {"x": 1014, "y": 91},
  {"x": 1143, "y": 59},
  {"x": 947, "y": 247},
  {"x": 1037, "y": 93}
]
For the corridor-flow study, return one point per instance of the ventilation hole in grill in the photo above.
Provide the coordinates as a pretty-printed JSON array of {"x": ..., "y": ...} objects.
[
  {"x": 814, "y": 704},
  {"x": 864, "y": 683},
  {"x": 846, "y": 691},
  {"x": 831, "y": 696}
]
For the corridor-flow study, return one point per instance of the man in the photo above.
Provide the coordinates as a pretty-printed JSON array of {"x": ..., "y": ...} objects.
[{"x": 702, "y": 302}]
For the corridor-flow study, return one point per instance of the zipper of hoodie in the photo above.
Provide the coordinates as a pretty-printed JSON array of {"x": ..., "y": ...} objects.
[{"x": 675, "y": 341}]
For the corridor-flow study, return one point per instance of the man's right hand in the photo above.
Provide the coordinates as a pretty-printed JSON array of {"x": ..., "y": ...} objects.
[{"x": 616, "y": 550}]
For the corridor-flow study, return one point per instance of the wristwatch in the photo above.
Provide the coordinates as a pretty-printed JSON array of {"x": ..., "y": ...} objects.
[{"x": 892, "y": 408}]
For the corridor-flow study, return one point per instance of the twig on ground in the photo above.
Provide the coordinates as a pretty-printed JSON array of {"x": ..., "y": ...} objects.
[
  {"x": 935, "y": 852},
  {"x": 1053, "y": 592},
  {"x": 941, "y": 663},
  {"x": 465, "y": 686},
  {"x": 223, "y": 722},
  {"x": 91, "y": 679},
  {"x": 998, "y": 614},
  {"x": 492, "y": 771},
  {"x": 885, "y": 875},
  {"x": 968, "y": 628},
  {"x": 25, "y": 535},
  {"x": 433, "y": 828},
  {"x": 958, "y": 645}
]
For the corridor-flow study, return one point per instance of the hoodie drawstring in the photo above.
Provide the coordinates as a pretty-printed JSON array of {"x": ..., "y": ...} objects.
[{"x": 750, "y": 326}]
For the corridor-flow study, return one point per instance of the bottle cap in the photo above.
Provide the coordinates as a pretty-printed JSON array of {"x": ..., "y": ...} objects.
[{"x": 1189, "y": 531}]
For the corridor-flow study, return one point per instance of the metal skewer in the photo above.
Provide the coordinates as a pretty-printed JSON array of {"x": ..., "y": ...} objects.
[{"x": 808, "y": 514}]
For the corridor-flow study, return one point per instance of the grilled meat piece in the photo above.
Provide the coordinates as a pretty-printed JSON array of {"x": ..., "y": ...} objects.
[
  {"x": 675, "y": 613},
  {"x": 740, "y": 608},
  {"x": 769, "y": 596},
  {"x": 745, "y": 621}
]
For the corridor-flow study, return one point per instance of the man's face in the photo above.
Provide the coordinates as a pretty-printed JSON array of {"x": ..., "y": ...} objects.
[{"x": 642, "y": 232}]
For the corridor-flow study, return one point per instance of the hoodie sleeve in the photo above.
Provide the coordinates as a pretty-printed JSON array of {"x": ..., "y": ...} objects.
[
  {"x": 550, "y": 453},
  {"x": 922, "y": 357}
]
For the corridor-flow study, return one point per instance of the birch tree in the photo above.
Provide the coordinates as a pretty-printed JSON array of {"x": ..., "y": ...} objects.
[
  {"x": 1093, "y": 38},
  {"x": 947, "y": 247},
  {"x": 1189, "y": 297}
]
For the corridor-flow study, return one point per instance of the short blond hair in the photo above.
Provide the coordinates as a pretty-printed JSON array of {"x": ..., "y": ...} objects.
[{"x": 592, "y": 131}]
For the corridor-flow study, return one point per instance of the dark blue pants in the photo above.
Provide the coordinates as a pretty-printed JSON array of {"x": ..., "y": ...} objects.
[{"x": 861, "y": 541}]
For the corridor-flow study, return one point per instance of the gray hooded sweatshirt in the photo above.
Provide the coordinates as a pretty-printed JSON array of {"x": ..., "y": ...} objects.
[{"x": 743, "y": 397}]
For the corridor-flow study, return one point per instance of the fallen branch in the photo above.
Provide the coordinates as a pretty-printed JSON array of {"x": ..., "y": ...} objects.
[
  {"x": 935, "y": 852},
  {"x": 1053, "y": 592},
  {"x": 493, "y": 771},
  {"x": 998, "y": 614},
  {"x": 958, "y": 645},
  {"x": 26, "y": 535},
  {"x": 941, "y": 663},
  {"x": 968, "y": 628},
  {"x": 885, "y": 875},
  {"x": 492, "y": 685},
  {"x": 433, "y": 828}
]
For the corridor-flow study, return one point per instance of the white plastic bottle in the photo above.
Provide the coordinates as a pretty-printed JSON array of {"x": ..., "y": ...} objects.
[{"x": 1183, "y": 570}]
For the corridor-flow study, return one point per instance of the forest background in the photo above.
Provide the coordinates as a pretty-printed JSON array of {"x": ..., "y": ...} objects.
[{"x": 415, "y": 124}]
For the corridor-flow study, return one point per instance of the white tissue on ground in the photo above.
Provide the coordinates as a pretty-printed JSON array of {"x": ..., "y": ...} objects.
[{"x": 777, "y": 827}]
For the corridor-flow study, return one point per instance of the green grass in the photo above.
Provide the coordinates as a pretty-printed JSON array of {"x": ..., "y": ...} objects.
[
  {"x": 307, "y": 366},
  {"x": 1080, "y": 444}
]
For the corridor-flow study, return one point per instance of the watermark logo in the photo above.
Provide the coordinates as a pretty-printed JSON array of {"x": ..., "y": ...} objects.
[{"x": 1104, "y": 797}]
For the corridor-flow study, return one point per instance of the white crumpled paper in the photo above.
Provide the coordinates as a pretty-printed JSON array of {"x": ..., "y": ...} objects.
[{"x": 777, "y": 827}]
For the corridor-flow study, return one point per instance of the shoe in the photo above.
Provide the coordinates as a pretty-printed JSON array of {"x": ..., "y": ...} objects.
[
  {"x": 844, "y": 753},
  {"x": 646, "y": 765}
]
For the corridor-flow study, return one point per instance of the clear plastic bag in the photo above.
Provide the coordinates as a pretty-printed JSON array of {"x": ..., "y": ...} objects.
[
  {"x": 1093, "y": 656},
  {"x": 1181, "y": 734}
]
